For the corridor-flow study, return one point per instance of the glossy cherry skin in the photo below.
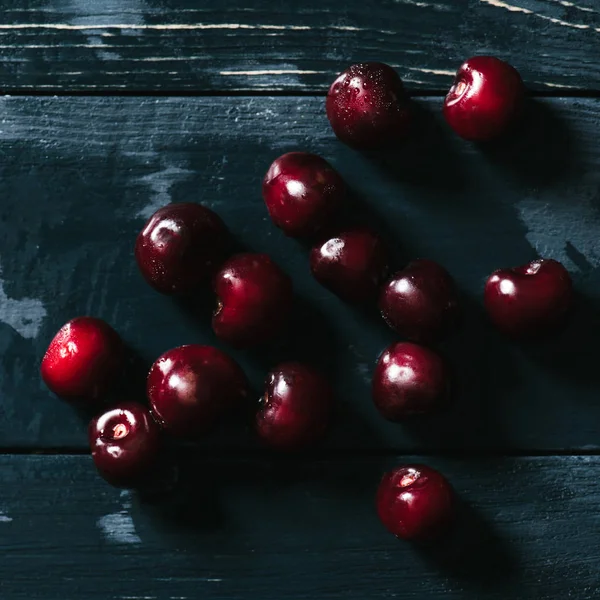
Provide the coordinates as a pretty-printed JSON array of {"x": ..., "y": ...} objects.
[
  {"x": 529, "y": 300},
  {"x": 485, "y": 100},
  {"x": 367, "y": 106},
  {"x": 191, "y": 388},
  {"x": 296, "y": 408},
  {"x": 83, "y": 360},
  {"x": 254, "y": 298},
  {"x": 420, "y": 302},
  {"x": 302, "y": 191},
  {"x": 415, "y": 502},
  {"x": 125, "y": 443},
  {"x": 352, "y": 264},
  {"x": 409, "y": 380},
  {"x": 180, "y": 247}
]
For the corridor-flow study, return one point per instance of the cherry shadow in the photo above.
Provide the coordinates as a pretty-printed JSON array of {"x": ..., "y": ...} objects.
[
  {"x": 132, "y": 383},
  {"x": 191, "y": 501},
  {"x": 427, "y": 158},
  {"x": 361, "y": 212},
  {"x": 210, "y": 490},
  {"x": 307, "y": 337},
  {"x": 473, "y": 551},
  {"x": 570, "y": 352},
  {"x": 539, "y": 151},
  {"x": 469, "y": 419}
]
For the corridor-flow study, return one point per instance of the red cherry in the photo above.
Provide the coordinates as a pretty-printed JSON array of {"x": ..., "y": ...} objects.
[
  {"x": 83, "y": 359},
  {"x": 367, "y": 106},
  {"x": 254, "y": 299},
  {"x": 409, "y": 380},
  {"x": 192, "y": 387},
  {"x": 352, "y": 264},
  {"x": 180, "y": 247},
  {"x": 529, "y": 300},
  {"x": 415, "y": 502},
  {"x": 302, "y": 191},
  {"x": 296, "y": 408},
  {"x": 420, "y": 301},
  {"x": 125, "y": 443},
  {"x": 487, "y": 96}
]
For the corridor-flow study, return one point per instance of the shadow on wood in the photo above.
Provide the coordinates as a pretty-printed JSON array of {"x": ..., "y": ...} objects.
[
  {"x": 571, "y": 353},
  {"x": 426, "y": 157},
  {"x": 482, "y": 375},
  {"x": 473, "y": 551},
  {"x": 200, "y": 501},
  {"x": 540, "y": 149}
]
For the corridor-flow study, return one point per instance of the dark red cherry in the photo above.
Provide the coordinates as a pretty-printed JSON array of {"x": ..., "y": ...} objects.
[
  {"x": 180, "y": 247},
  {"x": 485, "y": 100},
  {"x": 409, "y": 380},
  {"x": 415, "y": 502},
  {"x": 352, "y": 264},
  {"x": 125, "y": 443},
  {"x": 529, "y": 300},
  {"x": 302, "y": 191},
  {"x": 83, "y": 360},
  {"x": 420, "y": 302},
  {"x": 192, "y": 387},
  {"x": 367, "y": 106},
  {"x": 254, "y": 299},
  {"x": 296, "y": 408}
]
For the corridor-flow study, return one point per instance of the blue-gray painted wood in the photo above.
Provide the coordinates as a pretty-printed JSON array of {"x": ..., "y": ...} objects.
[
  {"x": 78, "y": 176},
  {"x": 125, "y": 45},
  {"x": 239, "y": 529}
]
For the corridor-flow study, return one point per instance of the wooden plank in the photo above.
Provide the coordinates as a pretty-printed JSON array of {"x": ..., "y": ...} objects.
[
  {"x": 78, "y": 176},
  {"x": 243, "y": 529},
  {"x": 241, "y": 45}
]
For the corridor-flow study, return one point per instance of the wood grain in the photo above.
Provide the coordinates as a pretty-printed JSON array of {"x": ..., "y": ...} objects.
[
  {"x": 528, "y": 529},
  {"x": 177, "y": 45},
  {"x": 78, "y": 177}
]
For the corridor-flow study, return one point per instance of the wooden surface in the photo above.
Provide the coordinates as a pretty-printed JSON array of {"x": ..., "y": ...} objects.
[
  {"x": 141, "y": 45},
  {"x": 237, "y": 529},
  {"x": 173, "y": 100}
]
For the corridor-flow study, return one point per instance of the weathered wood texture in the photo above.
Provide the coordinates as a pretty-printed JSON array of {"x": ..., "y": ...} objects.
[
  {"x": 79, "y": 176},
  {"x": 528, "y": 529},
  {"x": 185, "y": 45}
]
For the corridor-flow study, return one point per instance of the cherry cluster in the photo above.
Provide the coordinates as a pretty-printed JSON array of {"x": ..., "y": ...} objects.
[{"x": 184, "y": 247}]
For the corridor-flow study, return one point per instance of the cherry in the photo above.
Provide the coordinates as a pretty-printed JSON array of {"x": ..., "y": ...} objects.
[
  {"x": 192, "y": 387},
  {"x": 415, "y": 502},
  {"x": 352, "y": 264},
  {"x": 125, "y": 443},
  {"x": 180, "y": 247},
  {"x": 409, "y": 380},
  {"x": 254, "y": 298},
  {"x": 420, "y": 301},
  {"x": 296, "y": 408},
  {"x": 367, "y": 106},
  {"x": 487, "y": 96},
  {"x": 83, "y": 360},
  {"x": 530, "y": 299},
  {"x": 302, "y": 191}
]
